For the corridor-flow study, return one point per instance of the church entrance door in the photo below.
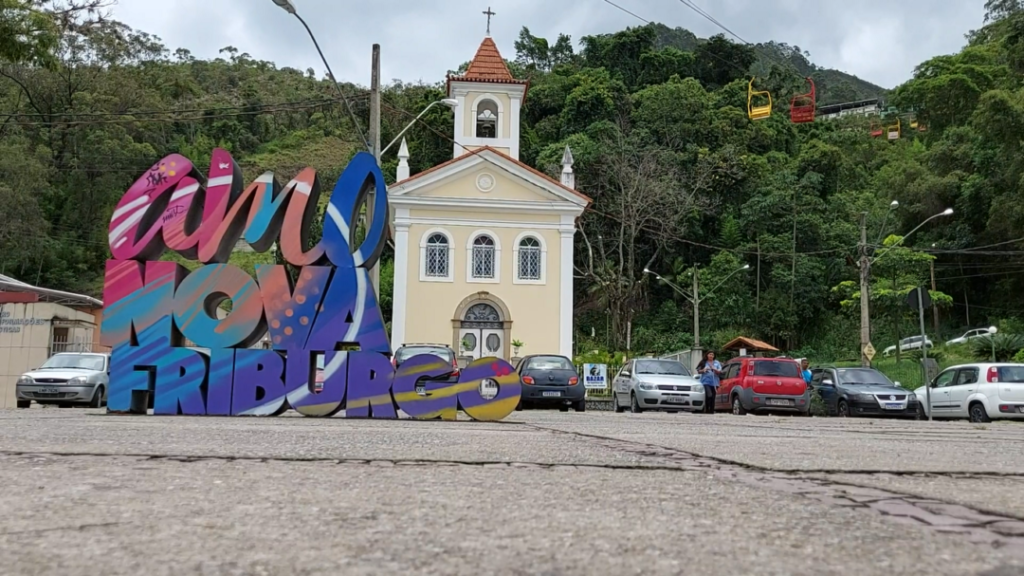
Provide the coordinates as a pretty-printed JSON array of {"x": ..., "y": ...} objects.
[{"x": 482, "y": 332}]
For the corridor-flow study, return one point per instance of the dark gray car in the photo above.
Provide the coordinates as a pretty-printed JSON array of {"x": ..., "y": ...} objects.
[{"x": 863, "y": 392}]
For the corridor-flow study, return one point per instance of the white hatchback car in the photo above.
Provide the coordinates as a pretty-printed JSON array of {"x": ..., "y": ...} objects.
[
  {"x": 980, "y": 392},
  {"x": 970, "y": 335}
]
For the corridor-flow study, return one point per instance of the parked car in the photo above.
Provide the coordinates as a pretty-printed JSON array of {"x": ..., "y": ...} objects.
[
  {"x": 653, "y": 384},
  {"x": 763, "y": 385},
  {"x": 442, "y": 351},
  {"x": 862, "y": 392},
  {"x": 979, "y": 392},
  {"x": 912, "y": 343},
  {"x": 66, "y": 379},
  {"x": 970, "y": 335},
  {"x": 551, "y": 381}
]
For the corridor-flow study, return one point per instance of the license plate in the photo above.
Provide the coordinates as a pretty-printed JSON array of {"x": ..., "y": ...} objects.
[
  {"x": 778, "y": 402},
  {"x": 893, "y": 406},
  {"x": 675, "y": 400},
  {"x": 551, "y": 394},
  {"x": 48, "y": 391}
]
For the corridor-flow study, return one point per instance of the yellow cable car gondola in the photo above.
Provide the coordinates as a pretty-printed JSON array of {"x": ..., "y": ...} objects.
[
  {"x": 758, "y": 112},
  {"x": 895, "y": 130}
]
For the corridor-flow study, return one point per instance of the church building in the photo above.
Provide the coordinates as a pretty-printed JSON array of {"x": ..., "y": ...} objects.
[{"x": 484, "y": 242}]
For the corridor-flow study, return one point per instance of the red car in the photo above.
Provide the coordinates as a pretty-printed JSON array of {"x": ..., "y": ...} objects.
[{"x": 763, "y": 385}]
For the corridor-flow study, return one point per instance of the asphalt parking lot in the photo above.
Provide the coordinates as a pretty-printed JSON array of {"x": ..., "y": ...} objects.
[{"x": 539, "y": 493}]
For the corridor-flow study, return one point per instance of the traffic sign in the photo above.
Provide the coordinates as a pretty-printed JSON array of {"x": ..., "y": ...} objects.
[{"x": 869, "y": 351}]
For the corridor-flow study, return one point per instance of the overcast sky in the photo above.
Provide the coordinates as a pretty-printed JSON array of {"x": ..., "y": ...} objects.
[{"x": 879, "y": 40}]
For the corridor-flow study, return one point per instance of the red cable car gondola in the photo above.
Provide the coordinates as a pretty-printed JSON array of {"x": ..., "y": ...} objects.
[{"x": 803, "y": 106}]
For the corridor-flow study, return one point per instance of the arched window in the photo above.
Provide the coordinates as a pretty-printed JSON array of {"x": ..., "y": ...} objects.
[
  {"x": 529, "y": 259},
  {"x": 487, "y": 119},
  {"x": 483, "y": 257},
  {"x": 437, "y": 257}
]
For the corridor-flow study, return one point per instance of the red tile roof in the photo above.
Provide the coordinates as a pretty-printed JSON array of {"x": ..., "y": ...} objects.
[
  {"x": 487, "y": 66},
  {"x": 503, "y": 155}
]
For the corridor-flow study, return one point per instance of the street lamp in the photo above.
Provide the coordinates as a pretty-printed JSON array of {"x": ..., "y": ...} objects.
[
  {"x": 289, "y": 7},
  {"x": 865, "y": 276},
  {"x": 946, "y": 212},
  {"x": 449, "y": 102},
  {"x": 881, "y": 231},
  {"x": 992, "y": 330},
  {"x": 696, "y": 298}
]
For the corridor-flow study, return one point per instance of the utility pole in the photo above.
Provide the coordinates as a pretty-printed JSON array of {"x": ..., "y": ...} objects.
[
  {"x": 758, "y": 305},
  {"x": 935, "y": 309},
  {"x": 865, "y": 298},
  {"x": 924, "y": 351},
  {"x": 696, "y": 319},
  {"x": 375, "y": 142}
]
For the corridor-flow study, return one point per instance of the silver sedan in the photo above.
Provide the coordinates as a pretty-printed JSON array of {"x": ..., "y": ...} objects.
[{"x": 652, "y": 384}]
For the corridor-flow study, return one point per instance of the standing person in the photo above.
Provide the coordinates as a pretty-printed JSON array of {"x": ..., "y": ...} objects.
[
  {"x": 805, "y": 371},
  {"x": 709, "y": 370}
]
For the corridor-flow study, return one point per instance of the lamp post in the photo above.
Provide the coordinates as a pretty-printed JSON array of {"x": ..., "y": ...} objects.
[
  {"x": 289, "y": 7},
  {"x": 992, "y": 330},
  {"x": 449, "y": 102},
  {"x": 865, "y": 274},
  {"x": 696, "y": 298}
]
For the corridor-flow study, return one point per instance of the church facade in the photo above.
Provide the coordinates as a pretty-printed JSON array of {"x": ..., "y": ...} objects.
[{"x": 484, "y": 243}]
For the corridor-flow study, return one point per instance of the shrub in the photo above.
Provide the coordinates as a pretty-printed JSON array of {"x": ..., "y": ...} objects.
[
  {"x": 1019, "y": 357},
  {"x": 1006, "y": 346}
]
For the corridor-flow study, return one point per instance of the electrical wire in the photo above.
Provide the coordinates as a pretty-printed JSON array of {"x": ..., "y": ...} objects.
[
  {"x": 266, "y": 110},
  {"x": 612, "y": 217}
]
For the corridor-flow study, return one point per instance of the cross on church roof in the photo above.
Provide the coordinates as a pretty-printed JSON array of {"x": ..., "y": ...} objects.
[{"x": 489, "y": 13}]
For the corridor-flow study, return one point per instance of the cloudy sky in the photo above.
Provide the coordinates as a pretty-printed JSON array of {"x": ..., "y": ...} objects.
[{"x": 879, "y": 40}]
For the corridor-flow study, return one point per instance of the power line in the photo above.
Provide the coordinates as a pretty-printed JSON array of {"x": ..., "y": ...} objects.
[
  {"x": 611, "y": 217},
  {"x": 128, "y": 120},
  {"x": 712, "y": 19},
  {"x": 641, "y": 18},
  {"x": 171, "y": 110}
]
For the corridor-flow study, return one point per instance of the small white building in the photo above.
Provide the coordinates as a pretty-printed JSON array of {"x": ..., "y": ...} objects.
[
  {"x": 36, "y": 323},
  {"x": 484, "y": 243}
]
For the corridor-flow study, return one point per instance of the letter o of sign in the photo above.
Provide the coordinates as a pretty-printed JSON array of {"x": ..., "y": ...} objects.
[
  {"x": 495, "y": 371},
  {"x": 198, "y": 297}
]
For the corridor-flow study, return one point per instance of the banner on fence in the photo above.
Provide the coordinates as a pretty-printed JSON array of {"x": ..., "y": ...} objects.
[{"x": 595, "y": 376}]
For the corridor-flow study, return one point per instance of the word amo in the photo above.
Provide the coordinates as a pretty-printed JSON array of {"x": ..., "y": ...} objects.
[
  {"x": 255, "y": 382},
  {"x": 174, "y": 206}
]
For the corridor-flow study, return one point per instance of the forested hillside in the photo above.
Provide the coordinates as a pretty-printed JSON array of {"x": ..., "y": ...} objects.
[{"x": 657, "y": 121}]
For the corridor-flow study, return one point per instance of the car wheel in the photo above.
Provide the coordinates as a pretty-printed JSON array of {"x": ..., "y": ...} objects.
[
  {"x": 519, "y": 407},
  {"x": 24, "y": 404},
  {"x": 97, "y": 398},
  {"x": 920, "y": 412},
  {"x": 978, "y": 413},
  {"x": 737, "y": 406},
  {"x": 634, "y": 405},
  {"x": 615, "y": 405},
  {"x": 580, "y": 406},
  {"x": 843, "y": 409}
]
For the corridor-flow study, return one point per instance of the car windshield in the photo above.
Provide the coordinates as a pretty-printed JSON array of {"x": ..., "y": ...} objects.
[
  {"x": 404, "y": 354},
  {"x": 549, "y": 363},
  {"x": 864, "y": 376},
  {"x": 666, "y": 367},
  {"x": 776, "y": 368},
  {"x": 1011, "y": 373},
  {"x": 81, "y": 361}
]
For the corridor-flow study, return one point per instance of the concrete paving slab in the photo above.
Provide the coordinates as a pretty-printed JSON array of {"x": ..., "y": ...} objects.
[
  {"x": 787, "y": 443},
  {"x": 1003, "y": 496},
  {"x": 118, "y": 515}
]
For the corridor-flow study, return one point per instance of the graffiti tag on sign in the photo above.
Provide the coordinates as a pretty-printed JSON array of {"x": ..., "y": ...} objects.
[{"x": 327, "y": 309}]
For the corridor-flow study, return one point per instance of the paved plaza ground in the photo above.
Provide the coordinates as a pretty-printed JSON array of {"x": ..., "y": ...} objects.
[{"x": 540, "y": 493}]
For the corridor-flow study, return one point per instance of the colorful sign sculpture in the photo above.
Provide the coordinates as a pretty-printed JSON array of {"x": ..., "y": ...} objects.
[{"x": 329, "y": 307}]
